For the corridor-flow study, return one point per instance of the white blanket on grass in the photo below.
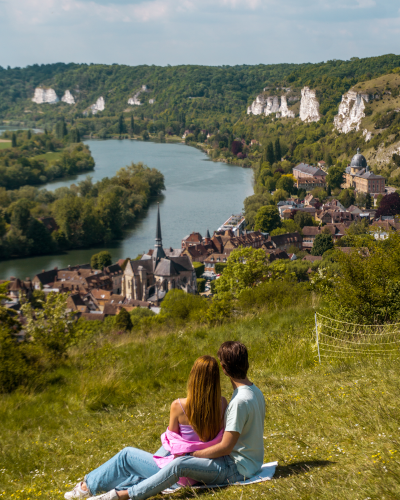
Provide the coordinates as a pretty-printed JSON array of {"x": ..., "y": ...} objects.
[{"x": 266, "y": 473}]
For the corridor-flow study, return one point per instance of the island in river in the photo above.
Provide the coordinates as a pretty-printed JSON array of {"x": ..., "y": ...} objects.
[{"x": 200, "y": 195}]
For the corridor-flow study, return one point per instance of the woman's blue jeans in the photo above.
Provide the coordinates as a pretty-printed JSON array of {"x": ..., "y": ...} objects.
[{"x": 136, "y": 471}]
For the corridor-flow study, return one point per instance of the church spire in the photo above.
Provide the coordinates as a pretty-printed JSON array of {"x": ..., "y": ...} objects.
[{"x": 158, "y": 248}]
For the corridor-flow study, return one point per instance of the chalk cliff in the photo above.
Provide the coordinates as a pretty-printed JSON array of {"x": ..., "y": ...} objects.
[
  {"x": 269, "y": 105},
  {"x": 99, "y": 105},
  {"x": 351, "y": 112},
  {"x": 68, "y": 97},
  {"x": 45, "y": 96},
  {"x": 284, "y": 111},
  {"x": 309, "y": 106},
  {"x": 257, "y": 107}
]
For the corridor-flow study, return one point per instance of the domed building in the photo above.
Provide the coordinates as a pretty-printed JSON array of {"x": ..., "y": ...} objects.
[{"x": 358, "y": 176}]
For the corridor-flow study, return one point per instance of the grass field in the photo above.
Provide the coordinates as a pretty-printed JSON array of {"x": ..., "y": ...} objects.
[
  {"x": 333, "y": 428},
  {"x": 5, "y": 144},
  {"x": 50, "y": 156}
]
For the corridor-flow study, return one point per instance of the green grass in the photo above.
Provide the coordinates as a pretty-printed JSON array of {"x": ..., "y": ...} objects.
[
  {"x": 333, "y": 428},
  {"x": 4, "y": 145},
  {"x": 49, "y": 156}
]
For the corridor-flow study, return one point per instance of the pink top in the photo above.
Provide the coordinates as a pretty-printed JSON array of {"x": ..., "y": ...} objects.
[{"x": 186, "y": 441}]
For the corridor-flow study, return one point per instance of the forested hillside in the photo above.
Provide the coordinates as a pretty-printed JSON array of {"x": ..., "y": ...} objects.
[{"x": 194, "y": 91}]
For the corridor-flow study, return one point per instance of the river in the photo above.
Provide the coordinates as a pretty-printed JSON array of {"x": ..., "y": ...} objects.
[{"x": 200, "y": 195}]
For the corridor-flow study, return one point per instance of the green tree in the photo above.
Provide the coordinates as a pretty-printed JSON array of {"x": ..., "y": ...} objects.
[
  {"x": 121, "y": 125},
  {"x": 335, "y": 176},
  {"x": 322, "y": 243},
  {"x": 368, "y": 201},
  {"x": 101, "y": 260},
  {"x": 123, "y": 321},
  {"x": 270, "y": 155},
  {"x": 132, "y": 125},
  {"x": 303, "y": 219},
  {"x": 285, "y": 183},
  {"x": 220, "y": 267},
  {"x": 52, "y": 327},
  {"x": 278, "y": 151},
  {"x": 267, "y": 219},
  {"x": 280, "y": 195},
  {"x": 20, "y": 216},
  {"x": 347, "y": 197},
  {"x": 145, "y": 135},
  {"x": 13, "y": 141},
  {"x": 245, "y": 268},
  {"x": 288, "y": 226}
]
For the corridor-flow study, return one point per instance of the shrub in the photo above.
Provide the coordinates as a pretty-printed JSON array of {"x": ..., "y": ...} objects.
[
  {"x": 201, "y": 285},
  {"x": 123, "y": 320},
  {"x": 199, "y": 268},
  {"x": 219, "y": 267},
  {"x": 179, "y": 305}
]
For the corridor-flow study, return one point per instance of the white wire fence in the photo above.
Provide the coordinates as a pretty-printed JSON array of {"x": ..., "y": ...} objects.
[{"x": 340, "y": 339}]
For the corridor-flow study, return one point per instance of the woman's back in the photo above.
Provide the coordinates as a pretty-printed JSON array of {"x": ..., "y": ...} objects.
[{"x": 179, "y": 422}]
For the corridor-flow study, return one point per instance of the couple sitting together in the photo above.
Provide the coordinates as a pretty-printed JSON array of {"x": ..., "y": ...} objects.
[{"x": 208, "y": 441}]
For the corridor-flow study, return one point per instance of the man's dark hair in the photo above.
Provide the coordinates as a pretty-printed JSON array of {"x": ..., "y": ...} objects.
[{"x": 234, "y": 358}]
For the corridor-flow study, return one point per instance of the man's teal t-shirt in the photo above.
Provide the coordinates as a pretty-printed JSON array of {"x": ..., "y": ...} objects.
[{"x": 245, "y": 414}]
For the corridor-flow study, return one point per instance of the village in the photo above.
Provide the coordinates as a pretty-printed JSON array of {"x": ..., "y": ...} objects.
[{"x": 95, "y": 294}]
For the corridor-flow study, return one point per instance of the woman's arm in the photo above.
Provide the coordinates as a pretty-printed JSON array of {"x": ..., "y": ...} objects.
[{"x": 174, "y": 414}]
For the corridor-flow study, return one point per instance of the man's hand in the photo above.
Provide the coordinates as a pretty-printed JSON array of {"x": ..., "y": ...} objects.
[{"x": 229, "y": 439}]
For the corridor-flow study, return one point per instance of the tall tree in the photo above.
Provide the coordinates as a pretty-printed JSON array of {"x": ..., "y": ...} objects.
[
  {"x": 278, "y": 151},
  {"x": 13, "y": 141},
  {"x": 121, "y": 125},
  {"x": 270, "y": 153},
  {"x": 132, "y": 125}
]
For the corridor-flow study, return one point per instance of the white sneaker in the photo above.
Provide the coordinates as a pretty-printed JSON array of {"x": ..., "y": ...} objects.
[
  {"x": 110, "y": 495},
  {"x": 77, "y": 492}
]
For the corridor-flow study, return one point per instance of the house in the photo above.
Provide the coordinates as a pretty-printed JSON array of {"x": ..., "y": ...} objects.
[
  {"x": 284, "y": 241},
  {"x": 321, "y": 164},
  {"x": 311, "y": 232},
  {"x": 17, "y": 287},
  {"x": 303, "y": 170},
  {"x": 115, "y": 273},
  {"x": 253, "y": 142},
  {"x": 358, "y": 176},
  {"x": 76, "y": 303},
  {"x": 310, "y": 201},
  {"x": 312, "y": 258},
  {"x": 150, "y": 278},
  {"x": 333, "y": 204},
  {"x": 213, "y": 259},
  {"x": 192, "y": 239},
  {"x": 186, "y": 133},
  {"x": 310, "y": 184}
]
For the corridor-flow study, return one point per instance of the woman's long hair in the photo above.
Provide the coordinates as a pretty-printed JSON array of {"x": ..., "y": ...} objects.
[{"x": 203, "y": 404}]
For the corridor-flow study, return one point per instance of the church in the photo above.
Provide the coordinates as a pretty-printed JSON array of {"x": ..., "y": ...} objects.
[
  {"x": 359, "y": 177},
  {"x": 157, "y": 272}
]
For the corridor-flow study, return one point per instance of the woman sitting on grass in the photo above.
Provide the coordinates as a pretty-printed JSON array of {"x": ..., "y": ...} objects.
[{"x": 195, "y": 423}]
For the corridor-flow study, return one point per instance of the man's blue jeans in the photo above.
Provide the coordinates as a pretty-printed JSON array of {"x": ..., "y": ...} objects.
[{"x": 135, "y": 470}]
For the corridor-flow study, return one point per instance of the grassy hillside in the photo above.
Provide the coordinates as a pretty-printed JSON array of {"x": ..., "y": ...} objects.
[{"x": 333, "y": 428}]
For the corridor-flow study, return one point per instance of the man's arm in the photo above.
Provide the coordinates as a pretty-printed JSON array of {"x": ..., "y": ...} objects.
[{"x": 229, "y": 439}]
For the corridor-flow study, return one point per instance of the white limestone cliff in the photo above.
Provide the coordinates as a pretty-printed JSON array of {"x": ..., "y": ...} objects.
[
  {"x": 270, "y": 105},
  {"x": 351, "y": 112},
  {"x": 367, "y": 135},
  {"x": 68, "y": 97},
  {"x": 99, "y": 105},
  {"x": 257, "y": 106},
  {"x": 45, "y": 96},
  {"x": 309, "y": 106},
  {"x": 284, "y": 111}
]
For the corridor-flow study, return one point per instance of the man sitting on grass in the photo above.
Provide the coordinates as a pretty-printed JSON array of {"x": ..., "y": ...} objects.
[{"x": 237, "y": 457}]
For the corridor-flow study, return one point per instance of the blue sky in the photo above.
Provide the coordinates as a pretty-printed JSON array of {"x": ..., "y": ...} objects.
[{"x": 214, "y": 32}]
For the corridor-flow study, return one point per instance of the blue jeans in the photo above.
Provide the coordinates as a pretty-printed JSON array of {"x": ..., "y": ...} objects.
[{"x": 136, "y": 471}]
